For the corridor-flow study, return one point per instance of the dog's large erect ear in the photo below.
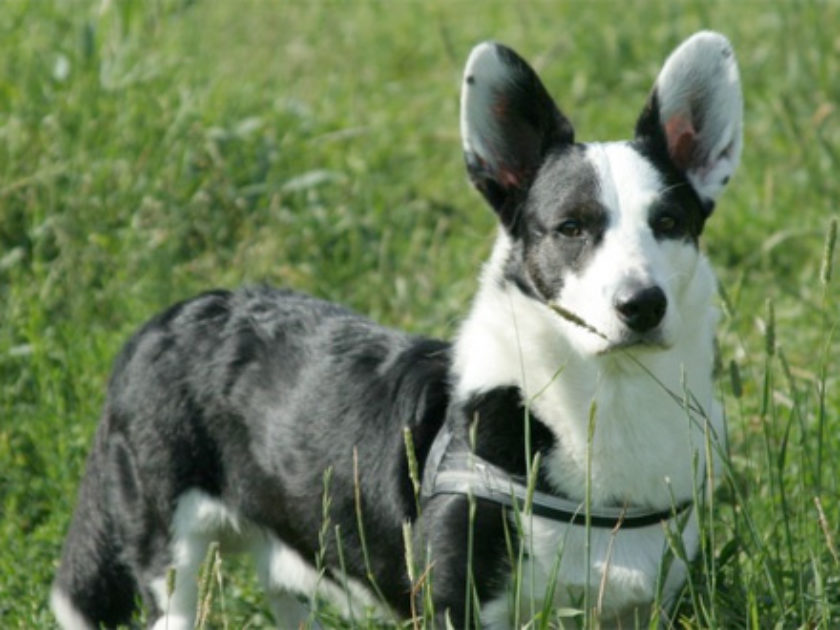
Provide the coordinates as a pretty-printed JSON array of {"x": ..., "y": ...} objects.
[
  {"x": 694, "y": 113},
  {"x": 508, "y": 124}
]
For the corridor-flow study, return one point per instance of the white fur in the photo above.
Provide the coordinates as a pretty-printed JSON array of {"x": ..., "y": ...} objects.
[
  {"x": 284, "y": 570},
  {"x": 67, "y": 615},
  {"x": 647, "y": 449},
  {"x": 287, "y": 578},
  {"x": 479, "y": 130},
  {"x": 628, "y": 187},
  {"x": 199, "y": 520},
  {"x": 626, "y": 564}
]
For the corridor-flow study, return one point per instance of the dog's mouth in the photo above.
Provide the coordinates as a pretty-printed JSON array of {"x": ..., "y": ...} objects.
[{"x": 649, "y": 341}]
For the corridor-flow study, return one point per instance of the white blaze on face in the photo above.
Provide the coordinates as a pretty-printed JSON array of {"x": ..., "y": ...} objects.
[{"x": 629, "y": 186}]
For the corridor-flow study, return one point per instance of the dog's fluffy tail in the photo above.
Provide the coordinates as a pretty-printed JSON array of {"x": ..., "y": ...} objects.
[{"x": 94, "y": 586}]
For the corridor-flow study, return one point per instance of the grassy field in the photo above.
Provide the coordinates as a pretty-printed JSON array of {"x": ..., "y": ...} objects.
[{"x": 150, "y": 150}]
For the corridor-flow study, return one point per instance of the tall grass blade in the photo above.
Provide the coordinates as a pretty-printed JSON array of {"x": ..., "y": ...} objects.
[
  {"x": 828, "y": 252},
  {"x": 339, "y": 547},
  {"x": 413, "y": 467},
  {"x": 357, "y": 495},
  {"x": 205, "y": 584},
  {"x": 588, "y": 618},
  {"x": 826, "y": 529}
]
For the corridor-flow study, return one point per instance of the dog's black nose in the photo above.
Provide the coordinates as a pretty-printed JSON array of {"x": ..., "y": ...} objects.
[{"x": 641, "y": 309}]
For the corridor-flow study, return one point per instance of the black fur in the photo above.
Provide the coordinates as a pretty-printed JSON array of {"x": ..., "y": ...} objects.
[
  {"x": 528, "y": 125},
  {"x": 564, "y": 193},
  {"x": 679, "y": 197},
  {"x": 500, "y": 438},
  {"x": 250, "y": 396}
]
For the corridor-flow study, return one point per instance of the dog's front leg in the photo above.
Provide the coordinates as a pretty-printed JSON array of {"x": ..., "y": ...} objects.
[{"x": 464, "y": 543}]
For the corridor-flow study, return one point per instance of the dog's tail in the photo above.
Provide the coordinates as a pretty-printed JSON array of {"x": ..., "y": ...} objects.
[{"x": 94, "y": 587}]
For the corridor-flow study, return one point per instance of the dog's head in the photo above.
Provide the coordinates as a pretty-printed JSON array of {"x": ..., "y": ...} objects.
[{"x": 607, "y": 232}]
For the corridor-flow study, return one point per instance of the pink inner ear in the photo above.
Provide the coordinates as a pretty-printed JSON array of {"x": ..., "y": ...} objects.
[
  {"x": 681, "y": 140},
  {"x": 508, "y": 178}
]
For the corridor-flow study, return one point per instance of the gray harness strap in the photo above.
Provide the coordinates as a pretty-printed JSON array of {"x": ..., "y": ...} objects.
[{"x": 460, "y": 471}]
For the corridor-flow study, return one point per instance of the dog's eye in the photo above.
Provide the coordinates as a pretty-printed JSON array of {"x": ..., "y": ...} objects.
[
  {"x": 570, "y": 228},
  {"x": 666, "y": 224}
]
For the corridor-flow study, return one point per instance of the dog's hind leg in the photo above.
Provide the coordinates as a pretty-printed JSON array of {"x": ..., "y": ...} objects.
[
  {"x": 93, "y": 586},
  {"x": 174, "y": 593},
  {"x": 123, "y": 542},
  {"x": 198, "y": 520}
]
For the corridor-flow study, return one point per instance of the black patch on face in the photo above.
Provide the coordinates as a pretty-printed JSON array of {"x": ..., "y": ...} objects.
[
  {"x": 674, "y": 216},
  {"x": 561, "y": 222},
  {"x": 678, "y": 197}
]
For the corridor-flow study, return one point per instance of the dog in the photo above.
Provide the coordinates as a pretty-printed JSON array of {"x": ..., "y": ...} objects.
[{"x": 276, "y": 423}]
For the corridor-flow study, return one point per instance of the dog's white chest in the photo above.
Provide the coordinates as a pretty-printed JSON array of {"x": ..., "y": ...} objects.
[{"x": 618, "y": 574}]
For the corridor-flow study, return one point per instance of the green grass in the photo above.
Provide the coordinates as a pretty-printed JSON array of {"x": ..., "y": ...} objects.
[{"x": 152, "y": 150}]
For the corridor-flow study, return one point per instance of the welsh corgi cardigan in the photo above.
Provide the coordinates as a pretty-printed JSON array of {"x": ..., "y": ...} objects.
[{"x": 584, "y": 368}]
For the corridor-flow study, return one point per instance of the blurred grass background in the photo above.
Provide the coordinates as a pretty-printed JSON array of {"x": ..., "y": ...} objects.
[{"x": 150, "y": 150}]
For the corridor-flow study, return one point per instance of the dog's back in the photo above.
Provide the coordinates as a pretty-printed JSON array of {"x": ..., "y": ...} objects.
[{"x": 245, "y": 399}]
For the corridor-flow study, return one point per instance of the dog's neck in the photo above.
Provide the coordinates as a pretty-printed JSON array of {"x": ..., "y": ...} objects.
[{"x": 645, "y": 447}]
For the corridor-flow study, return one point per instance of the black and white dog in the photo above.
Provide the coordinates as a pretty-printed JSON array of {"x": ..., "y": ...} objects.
[{"x": 589, "y": 345}]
